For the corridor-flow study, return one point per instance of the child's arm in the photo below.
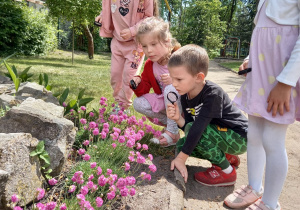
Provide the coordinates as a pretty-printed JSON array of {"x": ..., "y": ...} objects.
[{"x": 179, "y": 163}]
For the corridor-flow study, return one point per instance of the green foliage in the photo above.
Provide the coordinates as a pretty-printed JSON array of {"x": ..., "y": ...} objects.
[
  {"x": 13, "y": 75},
  {"x": 44, "y": 79},
  {"x": 23, "y": 76},
  {"x": 200, "y": 24},
  {"x": 43, "y": 155},
  {"x": 25, "y": 30},
  {"x": 3, "y": 111}
]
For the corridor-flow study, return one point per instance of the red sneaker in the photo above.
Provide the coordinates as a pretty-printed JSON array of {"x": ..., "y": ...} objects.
[
  {"x": 233, "y": 159},
  {"x": 214, "y": 176}
]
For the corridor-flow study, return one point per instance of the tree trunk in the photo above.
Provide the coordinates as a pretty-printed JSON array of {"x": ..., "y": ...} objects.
[{"x": 90, "y": 41}]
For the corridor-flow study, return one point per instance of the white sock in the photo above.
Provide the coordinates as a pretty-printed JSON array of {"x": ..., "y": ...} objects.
[{"x": 228, "y": 170}]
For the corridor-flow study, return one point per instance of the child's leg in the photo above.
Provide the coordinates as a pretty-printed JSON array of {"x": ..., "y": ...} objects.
[
  {"x": 171, "y": 124},
  {"x": 142, "y": 106},
  {"x": 276, "y": 161},
  {"x": 256, "y": 157},
  {"x": 215, "y": 143},
  {"x": 134, "y": 57},
  {"x": 117, "y": 64}
]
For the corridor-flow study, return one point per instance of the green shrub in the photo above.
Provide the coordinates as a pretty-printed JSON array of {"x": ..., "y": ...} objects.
[{"x": 25, "y": 30}]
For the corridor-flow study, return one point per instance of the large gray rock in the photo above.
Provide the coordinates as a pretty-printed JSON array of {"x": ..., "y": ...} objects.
[
  {"x": 19, "y": 173},
  {"x": 43, "y": 121}
]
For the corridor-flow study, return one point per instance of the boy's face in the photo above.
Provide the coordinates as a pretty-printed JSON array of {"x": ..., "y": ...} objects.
[
  {"x": 153, "y": 48},
  {"x": 183, "y": 81}
]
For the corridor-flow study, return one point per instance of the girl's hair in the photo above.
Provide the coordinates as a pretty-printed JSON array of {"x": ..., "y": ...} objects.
[
  {"x": 159, "y": 28},
  {"x": 155, "y": 8}
]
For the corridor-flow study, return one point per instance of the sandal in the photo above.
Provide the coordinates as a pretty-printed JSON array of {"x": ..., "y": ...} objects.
[
  {"x": 242, "y": 197},
  {"x": 166, "y": 139},
  {"x": 259, "y": 205}
]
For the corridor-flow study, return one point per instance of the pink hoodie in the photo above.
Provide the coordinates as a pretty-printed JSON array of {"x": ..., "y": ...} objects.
[{"x": 140, "y": 10}]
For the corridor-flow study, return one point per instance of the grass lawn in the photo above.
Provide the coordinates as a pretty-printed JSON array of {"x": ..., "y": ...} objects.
[
  {"x": 93, "y": 75},
  {"x": 232, "y": 65}
]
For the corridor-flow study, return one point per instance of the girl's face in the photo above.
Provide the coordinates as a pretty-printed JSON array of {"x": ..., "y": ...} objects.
[{"x": 153, "y": 48}]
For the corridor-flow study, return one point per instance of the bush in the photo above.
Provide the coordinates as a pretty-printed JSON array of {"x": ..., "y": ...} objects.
[{"x": 25, "y": 30}]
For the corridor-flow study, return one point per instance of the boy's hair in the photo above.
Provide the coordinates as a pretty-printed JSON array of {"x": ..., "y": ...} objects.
[
  {"x": 193, "y": 57},
  {"x": 160, "y": 29}
]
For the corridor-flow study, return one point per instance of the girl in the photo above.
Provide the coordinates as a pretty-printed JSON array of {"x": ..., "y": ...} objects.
[
  {"x": 271, "y": 87},
  {"x": 120, "y": 19},
  {"x": 157, "y": 43}
]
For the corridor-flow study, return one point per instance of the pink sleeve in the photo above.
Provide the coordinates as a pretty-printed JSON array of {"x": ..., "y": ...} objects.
[
  {"x": 107, "y": 28},
  {"x": 148, "y": 5}
]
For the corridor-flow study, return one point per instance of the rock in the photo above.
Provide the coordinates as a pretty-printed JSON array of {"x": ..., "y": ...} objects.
[
  {"x": 43, "y": 121},
  {"x": 5, "y": 80},
  {"x": 20, "y": 174}
]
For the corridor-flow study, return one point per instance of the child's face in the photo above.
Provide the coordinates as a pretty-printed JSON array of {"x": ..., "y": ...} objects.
[
  {"x": 183, "y": 81},
  {"x": 153, "y": 48}
]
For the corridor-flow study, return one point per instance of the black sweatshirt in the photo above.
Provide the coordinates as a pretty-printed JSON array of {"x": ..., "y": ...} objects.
[{"x": 211, "y": 106}]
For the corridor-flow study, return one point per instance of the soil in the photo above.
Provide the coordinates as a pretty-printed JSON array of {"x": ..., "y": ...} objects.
[{"x": 162, "y": 192}]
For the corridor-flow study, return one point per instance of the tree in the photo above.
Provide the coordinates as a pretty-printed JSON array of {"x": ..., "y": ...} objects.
[{"x": 82, "y": 14}]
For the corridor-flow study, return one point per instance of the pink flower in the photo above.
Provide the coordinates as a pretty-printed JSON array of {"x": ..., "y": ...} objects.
[
  {"x": 72, "y": 188},
  {"x": 91, "y": 114},
  {"x": 103, "y": 135},
  {"x": 93, "y": 164},
  {"x": 152, "y": 168},
  {"x": 132, "y": 192},
  {"x": 121, "y": 139},
  {"x": 109, "y": 171},
  {"x": 111, "y": 195},
  {"x": 113, "y": 145},
  {"x": 99, "y": 170},
  {"x": 148, "y": 176},
  {"x": 52, "y": 181},
  {"x": 130, "y": 143},
  {"x": 41, "y": 193},
  {"x": 50, "y": 206},
  {"x": 80, "y": 197},
  {"x": 105, "y": 125},
  {"x": 81, "y": 151},
  {"x": 138, "y": 146},
  {"x": 14, "y": 198},
  {"x": 84, "y": 190},
  {"x": 86, "y": 157},
  {"x": 40, "y": 206},
  {"x": 121, "y": 183},
  {"x": 83, "y": 108},
  {"x": 63, "y": 206},
  {"x": 140, "y": 159},
  {"x": 130, "y": 180},
  {"x": 83, "y": 121},
  {"x": 86, "y": 142},
  {"x": 64, "y": 104},
  {"x": 99, "y": 202},
  {"x": 102, "y": 180},
  {"x": 131, "y": 158},
  {"x": 17, "y": 208},
  {"x": 150, "y": 157},
  {"x": 91, "y": 177},
  {"x": 96, "y": 131},
  {"x": 145, "y": 146},
  {"x": 142, "y": 175},
  {"x": 92, "y": 125},
  {"x": 127, "y": 166},
  {"x": 144, "y": 118},
  {"x": 155, "y": 121},
  {"x": 124, "y": 191}
]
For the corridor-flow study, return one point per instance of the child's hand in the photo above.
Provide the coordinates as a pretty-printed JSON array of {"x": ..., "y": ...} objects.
[
  {"x": 137, "y": 80},
  {"x": 125, "y": 34},
  {"x": 179, "y": 163},
  {"x": 244, "y": 66},
  {"x": 98, "y": 19},
  {"x": 279, "y": 98},
  {"x": 166, "y": 79},
  {"x": 173, "y": 112}
]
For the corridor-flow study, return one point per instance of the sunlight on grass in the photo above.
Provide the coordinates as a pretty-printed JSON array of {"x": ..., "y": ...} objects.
[{"x": 232, "y": 65}]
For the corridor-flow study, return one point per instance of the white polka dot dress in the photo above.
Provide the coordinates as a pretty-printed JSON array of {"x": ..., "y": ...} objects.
[{"x": 270, "y": 49}]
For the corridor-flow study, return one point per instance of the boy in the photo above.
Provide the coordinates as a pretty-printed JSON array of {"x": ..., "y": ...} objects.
[{"x": 215, "y": 129}]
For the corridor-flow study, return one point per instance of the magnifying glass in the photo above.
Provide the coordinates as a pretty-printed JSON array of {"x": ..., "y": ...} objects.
[{"x": 172, "y": 97}]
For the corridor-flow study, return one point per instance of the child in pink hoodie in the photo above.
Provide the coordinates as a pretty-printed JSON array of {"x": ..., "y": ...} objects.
[{"x": 120, "y": 20}]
